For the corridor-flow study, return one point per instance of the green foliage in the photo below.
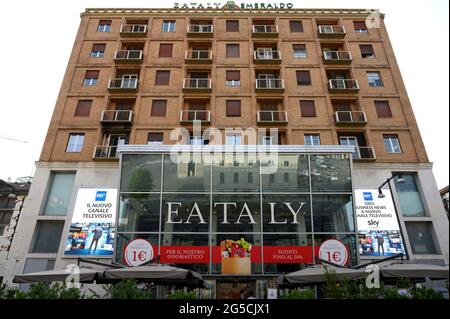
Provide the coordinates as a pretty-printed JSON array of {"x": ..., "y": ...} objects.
[
  {"x": 404, "y": 283},
  {"x": 180, "y": 294},
  {"x": 41, "y": 291},
  {"x": 426, "y": 293},
  {"x": 392, "y": 293},
  {"x": 127, "y": 289},
  {"x": 299, "y": 294},
  {"x": 141, "y": 179},
  {"x": 332, "y": 288}
]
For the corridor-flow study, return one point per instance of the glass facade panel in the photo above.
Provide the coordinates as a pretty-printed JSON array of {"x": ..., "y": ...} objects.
[
  {"x": 286, "y": 213},
  {"x": 59, "y": 194},
  {"x": 292, "y": 175},
  {"x": 330, "y": 173},
  {"x": 235, "y": 170},
  {"x": 333, "y": 213},
  {"x": 349, "y": 240},
  {"x": 409, "y": 196},
  {"x": 44, "y": 237},
  {"x": 421, "y": 238},
  {"x": 185, "y": 213},
  {"x": 141, "y": 173},
  {"x": 124, "y": 238},
  {"x": 139, "y": 213},
  {"x": 189, "y": 174}
]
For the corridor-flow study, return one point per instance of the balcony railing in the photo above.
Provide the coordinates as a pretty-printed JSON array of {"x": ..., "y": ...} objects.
[
  {"x": 195, "y": 115},
  {"x": 122, "y": 84},
  {"x": 128, "y": 56},
  {"x": 267, "y": 117},
  {"x": 350, "y": 117},
  {"x": 331, "y": 31},
  {"x": 270, "y": 84},
  {"x": 105, "y": 152},
  {"x": 197, "y": 84},
  {"x": 337, "y": 56},
  {"x": 198, "y": 56},
  {"x": 343, "y": 85},
  {"x": 200, "y": 29},
  {"x": 265, "y": 30},
  {"x": 264, "y": 56},
  {"x": 117, "y": 116},
  {"x": 133, "y": 29},
  {"x": 364, "y": 153}
]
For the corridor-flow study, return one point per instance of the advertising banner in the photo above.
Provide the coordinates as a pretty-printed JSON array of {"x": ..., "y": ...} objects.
[
  {"x": 378, "y": 228},
  {"x": 92, "y": 228}
]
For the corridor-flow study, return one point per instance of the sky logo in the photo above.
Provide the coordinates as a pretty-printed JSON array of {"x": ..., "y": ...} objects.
[
  {"x": 100, "y": 196},
  {"x": 368, "y": 196}
]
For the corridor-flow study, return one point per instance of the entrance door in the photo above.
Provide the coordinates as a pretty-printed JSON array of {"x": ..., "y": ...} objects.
[
  {"x": 350, "y": 141},
  {"x": 235, "y": 290}
]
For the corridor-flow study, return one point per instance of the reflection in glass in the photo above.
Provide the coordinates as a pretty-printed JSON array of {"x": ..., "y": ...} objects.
[
  {"x": 409, "y": 196},
  {"x": 349, "y": 240},
  {"x": 421, "y": 238},
  {"x": 189, "y": 174},
  {"x": 139, "y": 213},
  {"x": 292, "y": 175},
  {"x": 333, "y": 213},
  {"x": 235, "y": 173},
  {"x": 236, "y": 213},
  {"x": 124, "y": 238},
  {"x": 286, "y": 213},
  {"x": 141, "y": 173},
  {"x": 185, "y": 213},
  {"x": 330, "y": 173}
]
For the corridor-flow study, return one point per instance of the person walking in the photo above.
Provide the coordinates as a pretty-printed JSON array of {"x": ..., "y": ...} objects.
[
  {"x": 98, "y": 232},
  {"x": 380, "y": 241}
]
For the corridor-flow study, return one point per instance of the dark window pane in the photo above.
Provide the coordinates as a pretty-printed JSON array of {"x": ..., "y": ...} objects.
[
  {"x": 297, "y": 170},
  {"x": 330, "y": 173},
  {"x": 333, "y": 213},
  {"x": 47, "y": 236},
  {"x": 420, "y": 237},
  {"x": 141, "y": 173},
  {"x": 296, "y": 26},
  {"x": 139, "y": 213},
  {"x": 303, "y": 77},
  {"x": 233, "y": 108},
  {"x": 190, "y": 173},
  {"x": 232, "y": 51}
]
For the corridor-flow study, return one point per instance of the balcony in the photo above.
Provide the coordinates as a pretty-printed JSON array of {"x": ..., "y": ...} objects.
[
  {"x": 269, "y": 85},
  {"x": 189, "y": 116},
  {"x": 337, "y": 57},
  {"x": 331, "y": 31},
  {"x": 364, "y": 154},
  {"x": 272, "y": 117},
  {"x": 133, "y": 30},
  {"x": 350, "y": 118},
  {"x": 197, "y": 85},
  {"x": 128, "y": 56},
  {"x": 343, "y": 86},
  {"x": 117, "y": 117},
  {"x": 105, "y": 153},
  {"x": 263, "y": 31},
  {"x": 198, "y": 56},
  {"x": 267, "y": 57},
  {"x": 200, "y": 30},
  {"x": 122, "y": 85}
]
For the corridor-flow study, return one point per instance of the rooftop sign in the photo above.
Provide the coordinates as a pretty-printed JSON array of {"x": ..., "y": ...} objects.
[{"x": 231, "y": 5}]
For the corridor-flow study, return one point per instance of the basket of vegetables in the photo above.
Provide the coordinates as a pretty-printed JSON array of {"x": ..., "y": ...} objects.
[{"x": 236, "y": 257}]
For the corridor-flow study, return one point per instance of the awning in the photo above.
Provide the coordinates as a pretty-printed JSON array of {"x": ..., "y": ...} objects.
[
  {"x": 87, "y": 275},
  {"x": 415, "y": 271},
  {"x": 157, "y": 274},
  {"x": 313, "y": 275}
]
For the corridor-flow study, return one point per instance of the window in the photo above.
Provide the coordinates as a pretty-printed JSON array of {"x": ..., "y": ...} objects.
[
  {"x": 60, "y": 190},
  {"x": 159, "y": 108},
  {"x": 367, "y": 51},
  {"x": 307, "y": 109},
  {"x": 46, "y": 237},
  {"x": 374, "y": 79},
  {"x": 300, "y": 51},
  {"x": 165, "y": 50},
  {"x": 383, "y": 109},
  {"x": 75, "y": 143},
  {"x": 91, "y": 78},
  {"x": 232, "y": 51},
  {"x": 360, "y": 26},
  {"x": 296, "y": 26},
  {"x": 233, "y": 139},
  {"x": 83, "y": 108},
  {"x": 232, "y": 26},
  {"x": 155, "y": 138},
  {"x": 392, "y": 144},
  {"x": 408, "y": 195},
  {"x": 303, "y": 78},
  {"x": 168, "y": 26},
  {"x": 312, "y": 139},
  {"x": 104, "y": 26},
  {"x": 420, "y": 237},
  {"x": 162, "y": 77},
  {"x": 98, "y": 50},
  {"x": 233, "y": 78},
  {"x": 233, "y": 107}
]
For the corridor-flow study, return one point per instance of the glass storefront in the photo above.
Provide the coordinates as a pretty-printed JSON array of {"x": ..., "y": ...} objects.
[{"x": 234, "y": 215}]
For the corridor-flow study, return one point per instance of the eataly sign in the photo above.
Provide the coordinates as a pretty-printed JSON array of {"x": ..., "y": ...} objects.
[{"x": 245, "y": 214}]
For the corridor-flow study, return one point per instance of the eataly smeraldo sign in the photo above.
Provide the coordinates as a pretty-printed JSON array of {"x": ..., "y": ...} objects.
[
  {"x": 231, "y": 5},
  {"x": 245, "y": 215}
]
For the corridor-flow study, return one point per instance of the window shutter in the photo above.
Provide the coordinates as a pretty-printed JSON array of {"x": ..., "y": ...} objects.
[
  {"x": 99, "y": 47},
  {"x": 155, "y": 137},
  {"x": 165, "y": 50},
  {"x": 299, "y": 46},
  {"x": 383, "y": 109},
  {"x": 232, "y": 25},
  {"x": 366, "y": 49},
  {"x": 83, "y": 108},
  {"x": 105, "y": 22},
  {"x": 303, "y": 77},
  {"x": 162, "y": 78},
  {"x": 159, "y": 108},
  {"x": 360, "y": 25},
  {"x": 232, "y": 50},
  {"x": 296, "y": 26},
  {"x": 233, "y": 75},
  {"x": 92, "y": 74},
  {"x": 233, "y": 108},
  {"x": 307, "y": 109}
]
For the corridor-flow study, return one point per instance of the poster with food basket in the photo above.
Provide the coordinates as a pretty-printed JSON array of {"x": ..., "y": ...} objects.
[{"x": 236, "y": 257}]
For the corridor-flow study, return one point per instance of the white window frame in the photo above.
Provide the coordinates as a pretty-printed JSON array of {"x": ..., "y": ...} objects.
[
  {"x": 171, "y": 24},
  {"x": 90, "y": 81},
  {"x": 77, "y": 146},
  {"x": 233, "y": 139},
  {"x": 233, "y": 83},
  {"x": 104, "y": 27},
  {"x": 393, "y": 147},
  {"x": 312, "y": 139},
  {"x": 303, "y": 56},
  {"x": 97, "y": 54},
  {"x": 372, "y": 81}
]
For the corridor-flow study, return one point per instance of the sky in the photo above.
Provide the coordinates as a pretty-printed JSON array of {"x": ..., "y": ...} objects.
[{"x": 32, "y": 75}]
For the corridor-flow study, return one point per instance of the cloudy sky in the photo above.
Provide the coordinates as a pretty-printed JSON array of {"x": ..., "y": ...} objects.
[{"x": 37, "y": 38}]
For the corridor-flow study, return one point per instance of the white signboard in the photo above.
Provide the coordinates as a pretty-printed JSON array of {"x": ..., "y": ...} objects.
[
  {"x": 334, "y": 251},
  {"x": 92, "y": 229},
  {"x": 376, "y": 218},
  {"x": 138, "y": 252}
]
